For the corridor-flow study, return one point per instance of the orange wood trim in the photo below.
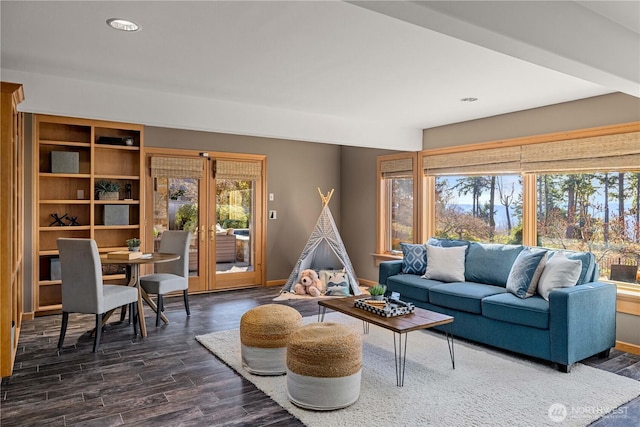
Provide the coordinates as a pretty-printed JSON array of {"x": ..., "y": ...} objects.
[
  {"x": 628, "y": 348},
  {"x": 529, "y": 217}
]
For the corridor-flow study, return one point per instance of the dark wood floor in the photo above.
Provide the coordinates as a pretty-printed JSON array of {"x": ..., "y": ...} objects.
[{"x": 167, "y": 378}]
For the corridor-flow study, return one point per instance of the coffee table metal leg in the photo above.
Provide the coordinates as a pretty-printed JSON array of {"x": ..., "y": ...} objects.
[
  {"x": 400, "y": 354},
  {"x": 450, "y": 344},
  {"x": 365, "y": 327},
  {"x": 321, "y": 311}
]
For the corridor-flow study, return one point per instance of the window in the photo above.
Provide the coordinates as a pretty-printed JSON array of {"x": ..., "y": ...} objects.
[
  {"x": 595, "y": 212},
  {"x": 397, "y": 191},
  {"x": 479, "y": 208}
]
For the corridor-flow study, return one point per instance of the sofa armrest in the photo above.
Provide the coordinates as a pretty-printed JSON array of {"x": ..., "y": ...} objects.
[
  {"x": 582, "y": 321},
  {"x": 389, "y": 268}
]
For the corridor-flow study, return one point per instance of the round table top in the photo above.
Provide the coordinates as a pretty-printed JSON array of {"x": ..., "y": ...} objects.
[{"x": 154, "y": 258}]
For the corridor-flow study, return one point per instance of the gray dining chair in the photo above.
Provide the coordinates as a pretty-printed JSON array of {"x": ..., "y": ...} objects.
[
  {"x": 170, "y": 276},
  {"x": 83, "y": 290}
]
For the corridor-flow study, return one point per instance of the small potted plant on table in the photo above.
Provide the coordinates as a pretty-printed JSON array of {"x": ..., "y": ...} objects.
[
  {"x": 133, "y": 244},
  {"x": 377, "y": 292}
]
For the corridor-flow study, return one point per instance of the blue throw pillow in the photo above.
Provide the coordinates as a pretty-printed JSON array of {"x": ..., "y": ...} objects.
[
  {"x": 414, "y": 259},
  {"x": 525, "y": 273}
]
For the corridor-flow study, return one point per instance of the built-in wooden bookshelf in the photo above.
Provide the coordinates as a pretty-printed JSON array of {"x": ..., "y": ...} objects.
[
  {"x": 92, "y": 151},
  {"x": 11, "y": 223}
]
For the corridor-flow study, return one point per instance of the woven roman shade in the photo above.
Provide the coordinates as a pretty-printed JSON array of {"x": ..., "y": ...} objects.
[
  {"x": 398, "y": 168},
  {"x": 177, "y": 167},
  {"x": 242, "y": 171},
  {"x": 492, "y": 161},
  {"x": 620, "y": 152}
]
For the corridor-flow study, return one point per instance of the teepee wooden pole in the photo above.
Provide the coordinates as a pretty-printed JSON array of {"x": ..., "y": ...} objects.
[{"x": 325, "y": 199}]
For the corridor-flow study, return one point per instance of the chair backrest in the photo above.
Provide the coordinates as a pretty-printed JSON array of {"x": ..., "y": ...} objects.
[
  {"x": 175, "y": 242},
  {"x": 81, "y": 276}
]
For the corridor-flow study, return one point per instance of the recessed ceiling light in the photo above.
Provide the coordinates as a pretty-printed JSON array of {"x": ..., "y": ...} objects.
[
  {"x": 123, "y": 24},
  {"x": 470, "y": 99}
]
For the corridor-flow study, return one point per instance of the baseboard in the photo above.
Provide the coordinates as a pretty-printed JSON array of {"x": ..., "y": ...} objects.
[
  {"x": 628, "y": 348},
  {"x": 276, "y": 282}
]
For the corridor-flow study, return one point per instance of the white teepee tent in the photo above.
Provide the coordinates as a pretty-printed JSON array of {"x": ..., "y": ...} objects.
[{"x": 324, "y": 250}]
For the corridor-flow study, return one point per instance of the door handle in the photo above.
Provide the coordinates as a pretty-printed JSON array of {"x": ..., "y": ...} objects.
[
  {"x": 213, "y": 233},
  {"x": 203, "y": 231}
]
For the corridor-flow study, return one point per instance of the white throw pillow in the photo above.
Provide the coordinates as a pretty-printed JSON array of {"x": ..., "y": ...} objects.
[
  {"x": 559, "y": 272},
  {"x": 445, "y": 264}
]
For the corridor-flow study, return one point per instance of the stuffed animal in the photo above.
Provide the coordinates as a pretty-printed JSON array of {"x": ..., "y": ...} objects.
[{"x": 309, "y": 283}]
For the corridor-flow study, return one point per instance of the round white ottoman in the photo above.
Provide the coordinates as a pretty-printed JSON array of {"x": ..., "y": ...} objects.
[
  {"x": 324, "y": 364},
  {"x": 264, "y": 333}
]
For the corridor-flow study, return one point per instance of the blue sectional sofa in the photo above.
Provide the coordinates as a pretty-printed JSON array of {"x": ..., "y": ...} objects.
[{"x": 575, "y": 323}]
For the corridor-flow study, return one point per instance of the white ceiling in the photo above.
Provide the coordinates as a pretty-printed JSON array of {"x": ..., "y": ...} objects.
[{"x": 370, "y": 74}]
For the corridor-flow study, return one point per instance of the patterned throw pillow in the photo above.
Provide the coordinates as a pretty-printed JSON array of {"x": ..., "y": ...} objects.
[
  {"x": 414, "y": 259},
  {"x": 525, "y": 273}
]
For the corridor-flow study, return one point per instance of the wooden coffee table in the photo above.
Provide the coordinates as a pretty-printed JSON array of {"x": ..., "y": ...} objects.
[{"x": 400, "y": 325}]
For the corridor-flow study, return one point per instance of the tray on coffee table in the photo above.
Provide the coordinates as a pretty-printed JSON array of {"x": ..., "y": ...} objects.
[{"x": 391, "y": 308}]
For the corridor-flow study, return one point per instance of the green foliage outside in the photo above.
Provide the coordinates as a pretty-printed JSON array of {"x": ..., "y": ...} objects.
[{"x": 187, "y": 217}]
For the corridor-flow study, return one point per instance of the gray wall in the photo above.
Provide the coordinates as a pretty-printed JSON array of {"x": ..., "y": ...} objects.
[
  {"x": 585, "y": 113},
  {"x": 358, "y": 212},
  {"x": 295, "y": 170}
]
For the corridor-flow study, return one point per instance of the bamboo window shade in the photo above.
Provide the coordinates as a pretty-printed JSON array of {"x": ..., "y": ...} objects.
[
  {"x": 619, "y": 152},
  {"x": 238, "y": 170},
  {"x": 177, "y": 167},
  {"x": 490, "y": 161},
  {"x": 397, "y": 168}
]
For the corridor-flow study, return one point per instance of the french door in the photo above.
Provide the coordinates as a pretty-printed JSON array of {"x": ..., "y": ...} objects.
[{"x": 219, "y": 198}]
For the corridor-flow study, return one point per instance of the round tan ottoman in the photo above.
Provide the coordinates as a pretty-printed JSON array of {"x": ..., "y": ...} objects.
[
  {"x": 264, "y": 332},
  {"x": 324, "y": 363}
]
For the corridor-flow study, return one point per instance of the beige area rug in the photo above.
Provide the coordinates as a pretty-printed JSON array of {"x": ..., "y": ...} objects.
[
  {"x": 487, "y": 388},
  {"x": 285, "y": 296}
]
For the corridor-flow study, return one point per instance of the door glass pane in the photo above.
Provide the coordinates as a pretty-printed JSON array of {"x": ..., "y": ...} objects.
[
  {"x": 175, "y": 207},
  {"x": 234, "y": 225}
]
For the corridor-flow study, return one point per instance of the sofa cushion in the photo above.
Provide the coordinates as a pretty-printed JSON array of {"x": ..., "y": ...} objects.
[
  {"x": 507, "y": 307},
  {"x": 447, "y": 243},
  {"x": 445, "y": 264},
  {"x": 411, "y": 286},
  {"x": 414, "y": 258},
  {"x": 525, "y": 273},
  {"x": 559, "y": 272},
  {"x": 463, "y": 296},
  {"x": 490, "y": 263}
]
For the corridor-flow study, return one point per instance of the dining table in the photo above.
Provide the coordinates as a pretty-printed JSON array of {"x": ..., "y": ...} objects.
[{"x": 133, "y": 279}]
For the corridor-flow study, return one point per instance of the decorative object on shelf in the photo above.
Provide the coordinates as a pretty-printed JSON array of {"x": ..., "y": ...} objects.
[
  {"x": 127, "y": 191},
  {"x": 116, "y": 215},
  {"x": 73, "y": 221},
  {"x": 133, "y": 244},
  {"x": 114, "y": 140},
  {"x": 377, "y": 292},
  {"x": 107, "y": 190},
  {"x": 65, "y": 162},
  {"x": 57, "y": 220}
]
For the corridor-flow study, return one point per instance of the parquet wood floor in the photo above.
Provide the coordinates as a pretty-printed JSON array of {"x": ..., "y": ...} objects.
[{"x": 165, "y": 379}]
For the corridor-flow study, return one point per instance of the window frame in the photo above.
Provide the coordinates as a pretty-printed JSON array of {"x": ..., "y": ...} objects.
[{"x": 384, "y": 198}]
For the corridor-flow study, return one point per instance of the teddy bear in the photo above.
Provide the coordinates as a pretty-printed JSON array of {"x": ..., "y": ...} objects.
[{"x": 309, "y": 283}]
